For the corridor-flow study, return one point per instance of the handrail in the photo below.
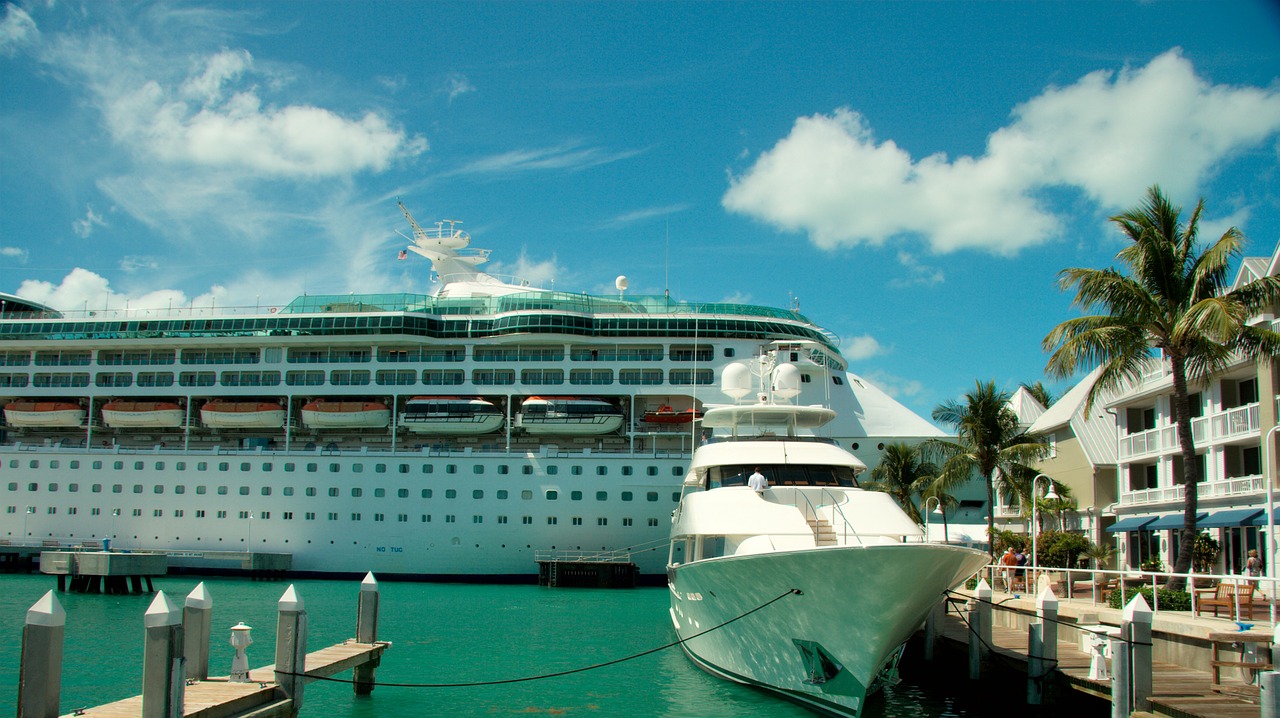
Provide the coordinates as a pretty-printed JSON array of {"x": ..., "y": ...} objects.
[{"x": 848, "y": 525}]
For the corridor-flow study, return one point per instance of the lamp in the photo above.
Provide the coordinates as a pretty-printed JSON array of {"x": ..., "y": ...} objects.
[
  {"x": 25, "y": 515},
  {"x": 937, "y": 509},
  {"x": 1035, "y": 533}
]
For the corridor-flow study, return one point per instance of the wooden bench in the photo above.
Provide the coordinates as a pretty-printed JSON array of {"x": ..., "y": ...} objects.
[
  {"x": 1237, "y": 641},
  {"x": 1226, "y": 595}
]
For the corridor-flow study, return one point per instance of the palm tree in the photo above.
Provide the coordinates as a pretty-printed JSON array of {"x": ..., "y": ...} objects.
[
  {"x": 989, "y": 441},
  {"x": 1040, "y": 393},
  {"x": 901, "y": 473},
  {"x": 1172, "y": 297},
  {"x": 938, "y": 487}
]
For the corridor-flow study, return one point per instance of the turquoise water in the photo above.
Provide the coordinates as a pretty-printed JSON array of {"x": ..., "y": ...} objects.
[{"x": 445, "y": 633}]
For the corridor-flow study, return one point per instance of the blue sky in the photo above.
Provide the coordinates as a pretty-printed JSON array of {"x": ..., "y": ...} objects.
[{"x": 915, "y": 175}]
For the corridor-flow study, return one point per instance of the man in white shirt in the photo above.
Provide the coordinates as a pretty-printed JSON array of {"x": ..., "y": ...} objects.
[{"x": 757, "y": 482}]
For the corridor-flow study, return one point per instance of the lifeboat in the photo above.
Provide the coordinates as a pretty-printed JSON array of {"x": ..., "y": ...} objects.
[
  {"x": 451, "y": 415},
  {"x": 44, "y": 413},
  {"x": 667, "y": 415},
  {"x": 322, "y": 414},
  {"x": 131, "y": 414},
  {"x": 242, "y": 415},
  {"x": 568, "y": 416}
]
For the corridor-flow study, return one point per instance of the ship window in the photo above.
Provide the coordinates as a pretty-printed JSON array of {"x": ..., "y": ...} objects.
[
  {"x": 551, "y": 520},
  {"x": 33, "y": 486},
  {"x": 179, "y": 489},
  {"x": 502, "y": 493},
  {"x": 602, "y": 496},
  {"x": 118, "y": 465},
  {"x": 223, "y": 466},
  {"x": 575, "y": 470},
  {"x": 575, "y": 495},
  {"x": 116, "y": 488},
  {"x": 266, "y": 466},
  {"x": 222, "y": 490},
  {"x": 402, "y": 493},
  {"x": 13, "y": 463},
  {"x": 477, "y": 469},
  {"x": 404, "y": 468},
  {"x": 677, "y": 471},
  {"x": 244, "y": 490},
  {"x": 244, "y": 466},
  {"x": 526, "y": 520},
  {"x": 728, "y": 352},
  {"x": 477, "y": 494},
  {"x": 380, "y": 468},
  {"x": 626, "y": 495},
  {"x": 379, "y": 493},
  {"x": 180, "y": 466},
  {"x": 355, "y": 517},
  {"x": 289, "y": 466},
  {"x": 527, "y": 495},
  {"x": 97, "y": 465},
  {"x": 553, "y": 470},
  {"x": 426, "y": 493},
  {"x": 451, "y": 468},
  {"x": 526, "y": 470},
  {"x": 266, "y": 490},
  {"x": 333, "y": 491},
  {"x": 653, "y": 522},
  {"x": 428, "y": 468},
  {"x": 333, "y": 468},
  {"x": 837, "y": 380},
  {"x": 357, "y": 468},
  {"x": 137, "y": 488},
  {"x": 53, "y": 487},
  {"x": 75, "y": 464},
  {"x": 137, "y": 466},
  {"x": 357, "y": 492},
  {"x": 426, "y": 518},
  {"x": 450, "y": 493},
  {"x": 54, "y": 465},
  {"x": 651, "y": 470},
  {"x": 159, "y": 489},
  {"x": 311, "y": 491},
  {"x": 805, "y": 379},
  {"x": 602, "y": 471},
  {"x": 552, "y": 495},
  {"x": 577, "y": 520},
  {"x": 96, "y": 488},
  {"x": 288, "y": 491},
  {"x": 312, "y": 468},
  {"x": 626, "y": 471},
  {"x": 503, "y": 468},
  {"x": 651, "y": 496},
  {"x": 202, "y": 466},
  {"x": 626, "y": 522},
  {"x": 201, "y": 489}
]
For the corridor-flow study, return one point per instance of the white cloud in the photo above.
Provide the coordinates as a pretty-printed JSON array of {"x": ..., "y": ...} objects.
[
  {"x": 565, "y": 157},
  {"x": 16, "y": 29},
  {"x": 84, "y": 227},
  {"x": 861, "y": 347},
  {"x": 129, "y": 265},
  {"x": 830, "y": 177},
  {"x": 641, "y": 215},
  {"x": 896, "y": 386},
  {"x": 918, "y": 273},
  {"x": 17, "y": 253},
  {"x": 538, "y": 273},
  {"x": 82, "y": 289},
  {"x": 457, "y": 84}
]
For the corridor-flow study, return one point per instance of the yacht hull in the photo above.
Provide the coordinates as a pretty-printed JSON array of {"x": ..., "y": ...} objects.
[{"x": 855, "y": 607}]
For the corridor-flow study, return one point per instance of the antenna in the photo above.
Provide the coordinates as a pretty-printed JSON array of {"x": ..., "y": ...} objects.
[{"x": 666, "y": 263}]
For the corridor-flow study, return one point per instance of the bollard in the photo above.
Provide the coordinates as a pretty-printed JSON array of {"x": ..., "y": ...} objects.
[
  {"x": 40, "y": 673},
  {"x": 1136, "y": 629},
  {"x": 1269, "y": 685},
  {"x": 1047, "y": 610},
  {"x": 196, "y": 612},
  {"x": 163, "y": 676},
  {"x": 291, "y": 647},
  {"x": 366, "y": 632},
  {"x": 983, "y": 594},
  {"x": 975, "y": 650},
  {"x": 1120, "y": 696},
  {"x": 936, "y": 616},
  {"x": 1035, "y": 664},
  {"x": 241, "y": 639}
]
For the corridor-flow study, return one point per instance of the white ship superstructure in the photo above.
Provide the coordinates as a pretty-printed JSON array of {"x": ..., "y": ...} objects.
[{"x": 307, "y": 429}]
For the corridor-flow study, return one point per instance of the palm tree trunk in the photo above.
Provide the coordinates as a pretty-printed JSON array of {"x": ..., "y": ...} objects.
[
  {"x": 991, "y": 516},
  {"x": 1190, "y": 470}
]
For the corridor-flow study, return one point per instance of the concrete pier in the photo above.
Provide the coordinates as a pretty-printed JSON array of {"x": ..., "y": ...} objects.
[{"x": 104, "y": 571}]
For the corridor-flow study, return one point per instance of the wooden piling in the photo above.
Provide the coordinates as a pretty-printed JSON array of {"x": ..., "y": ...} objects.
[
  {"x": 163, "y": 676},
  {"x": 1035, "y": 664},
  {"x": 196, "y": 614},
  {"x": 1121, "y": 699},
  {"x": 291, "y": 647},
  {"x": 366, "y": 632},
  {"x": 40, "y": 673},
  {"x": 1136, "y": 630},
  {"x": 1269, "y": 693},
  {"x": 975, "y": 643}
]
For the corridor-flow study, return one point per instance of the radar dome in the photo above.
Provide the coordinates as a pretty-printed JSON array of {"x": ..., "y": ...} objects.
[
  {"x": 735, "y": 380},
  {"x": 786, "y": 381},
  {"x": 620, "y": 282}
]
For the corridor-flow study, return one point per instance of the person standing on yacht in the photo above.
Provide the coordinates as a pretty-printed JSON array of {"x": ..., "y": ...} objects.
[{"x": 757, "y": 482}]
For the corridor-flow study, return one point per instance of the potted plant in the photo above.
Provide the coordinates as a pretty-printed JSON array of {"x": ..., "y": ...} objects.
[
  {"x": 1204, "y": 556},
  {"x": 1100, "y": 554}
]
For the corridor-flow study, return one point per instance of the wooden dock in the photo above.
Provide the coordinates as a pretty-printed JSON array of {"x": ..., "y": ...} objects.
[
  {"x": 1176, "y": 691},
  {"x": 219, "y": 698}
]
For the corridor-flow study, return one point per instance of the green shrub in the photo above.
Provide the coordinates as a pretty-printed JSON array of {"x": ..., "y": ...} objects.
[
  {"x": 1060, "y": 549},
  {"x": 1169, "y": 600}
]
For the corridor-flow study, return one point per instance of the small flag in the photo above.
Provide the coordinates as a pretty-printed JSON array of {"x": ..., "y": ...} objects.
[{"x": 403, "y": 255}]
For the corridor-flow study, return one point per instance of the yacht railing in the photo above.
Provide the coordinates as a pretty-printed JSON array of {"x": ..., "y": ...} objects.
[{"x": 811, "y": 511}]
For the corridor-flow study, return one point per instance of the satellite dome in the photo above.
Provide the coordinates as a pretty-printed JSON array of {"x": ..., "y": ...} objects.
[
  {"x": 786, "y": 381},
  {"x": 735, "y": 380},
  {"x": 620, "y": 282}
]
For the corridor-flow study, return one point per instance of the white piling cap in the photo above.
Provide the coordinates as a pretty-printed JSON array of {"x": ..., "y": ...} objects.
[
  {"x": 983, "y": 589},
  {"x": 199, "y": 597},
  {"x": 47, "y": 612},
  {"x": 162, "y": 612},
  {"x": 290, "y": 601},
  {"x": 1047, "y": 599},
  {"x": 369, "y": 583},
  {"x": 1137, "y": 610}
]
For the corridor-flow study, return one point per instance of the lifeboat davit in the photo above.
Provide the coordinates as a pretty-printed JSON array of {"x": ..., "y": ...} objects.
[
  {"x": 451, "y": 415},
  {"x": 44, "y": 413},
  {"x": 133, "y": 414},
  {"x": 242, "y": 415},
  {"x": 568, "y": 416},
  {"x": 667, "y": 415},
  {"x": 322, "y": 414}
]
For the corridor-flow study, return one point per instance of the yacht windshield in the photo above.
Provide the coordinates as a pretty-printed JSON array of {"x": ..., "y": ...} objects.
[{"x": 781, "y": 475}]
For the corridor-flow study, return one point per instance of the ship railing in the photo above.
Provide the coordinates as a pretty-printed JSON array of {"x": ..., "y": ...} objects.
[
  {"x": 815, "y": 512},
  {"x": 582, "y": 556}
]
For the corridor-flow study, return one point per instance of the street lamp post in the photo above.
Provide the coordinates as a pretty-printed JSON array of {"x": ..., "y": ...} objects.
[
  {"x": 1035, "y": 533},
  {"x": 937, "y": 509},
  {"x": 1268, "y": 560}
]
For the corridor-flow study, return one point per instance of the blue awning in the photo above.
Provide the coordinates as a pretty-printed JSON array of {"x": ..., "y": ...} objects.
[
  {"x": 1131, "y": 523},
  {"x": 1230, "y": 517},
  {"x": 1261, "y": 518},
  {"x": 1170, "y": 521}
]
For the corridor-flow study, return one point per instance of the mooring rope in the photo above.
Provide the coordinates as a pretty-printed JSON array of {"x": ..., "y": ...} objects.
[{"x": 583, "y": 669}]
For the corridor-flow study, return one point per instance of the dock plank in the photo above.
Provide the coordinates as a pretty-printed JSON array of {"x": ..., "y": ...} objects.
[{"x": 219, "y": 698}]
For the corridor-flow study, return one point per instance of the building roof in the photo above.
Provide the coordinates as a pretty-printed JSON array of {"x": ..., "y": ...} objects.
[
  {"x": 880, "y": 415},
  {"x": 1025, "y": 406},
  {"x": 1096, "y": 430}
]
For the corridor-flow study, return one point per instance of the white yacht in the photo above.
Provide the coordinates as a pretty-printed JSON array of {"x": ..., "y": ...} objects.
[
  {"x": 810, "y": 588},
  {"x": 297, "y": 428}
]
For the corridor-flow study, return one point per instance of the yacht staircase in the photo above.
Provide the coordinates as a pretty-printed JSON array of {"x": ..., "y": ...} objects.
[{"x": 824, "y": 534}]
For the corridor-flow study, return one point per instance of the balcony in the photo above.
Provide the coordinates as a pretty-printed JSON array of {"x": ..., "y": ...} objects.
[
  {"x": 1234, "y": 486},
  {"x": 1235, "y": 423}
]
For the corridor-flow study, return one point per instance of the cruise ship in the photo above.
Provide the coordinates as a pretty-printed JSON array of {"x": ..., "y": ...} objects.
[{"x": 451, "y": 435}]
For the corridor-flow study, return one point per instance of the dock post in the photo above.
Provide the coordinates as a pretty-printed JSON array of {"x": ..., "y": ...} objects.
[
  {"x": 937, "y": 615},
  {"x": 983, "y": 593},
  {"x": 1035, "y": 664},
  {"x": 1136, "y": 629},
  {"x": 1047, "y": 610},
  {"x": 163, "y": 677},
  {"x": 291, "y": 647},
  {"x": 1269, "y": 684},
  {"x": 366, "y": 632},
  {"x": 40, "y": 673},
  {"x": 1120, "y": 697},
  {"x": 975, "y": 650},
  {"x": 196, "y": 614}
]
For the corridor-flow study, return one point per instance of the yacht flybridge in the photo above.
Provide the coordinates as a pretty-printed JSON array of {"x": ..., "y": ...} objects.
[
  {"x": 840, "y": 575},
  {"x": 442, "y": 435}
]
